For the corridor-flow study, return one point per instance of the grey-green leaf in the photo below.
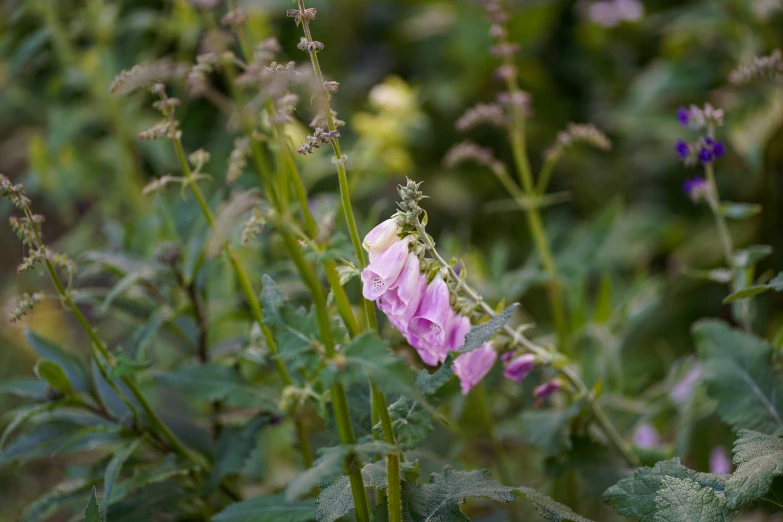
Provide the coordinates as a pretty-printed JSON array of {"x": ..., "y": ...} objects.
[
  {"x": 336, "y": 498},
  {"x": 759, "y": 459},
  {"x": 635, "y": 497},
  {"x": 482, "y": 333},
  {"x": 684, "y": 500},
  {"x": 25, "y": 415},
  {"x": 736, "y": 368},
  {"x": 92, "y": 512},
  {"x": 548, "y": 429},
  {"x": 269, "y": 508},
  {"x": 43, "y": 506},
  {"x": 114, "y": 467},
  {"x": 775, "y": 284},
  {"x": 733, "y": 210},
  {"x": 73, "y": 367},
  {"x": 53, "y": 375},
  {"x": 214, "y": 382},
  {"x": 548, "y": 508}
]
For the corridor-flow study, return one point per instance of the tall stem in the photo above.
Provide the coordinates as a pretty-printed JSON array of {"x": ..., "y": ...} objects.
[{"x": 544, "y": 355}]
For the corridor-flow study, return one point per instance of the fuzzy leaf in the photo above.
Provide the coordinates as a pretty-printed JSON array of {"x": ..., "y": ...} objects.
[
  {"x": 214, "y": 382},
  {"x": 269, "y": 508},
  {"x": 92, "y": 512},
  {"x": 482, "y": 333},
  {"x": 635, "y": 497},
  {"x": 336, "y": 498},
  {"x": 113, "y": 469},
  {"x": 736, "y": 367},
  {"x": 548, "y": 508},
  {"x": 684, "y": 500},
  {"x": 439, "y": 500},
  {"x": 72, "y": 366},
  {"x": 759, "y": 458}
]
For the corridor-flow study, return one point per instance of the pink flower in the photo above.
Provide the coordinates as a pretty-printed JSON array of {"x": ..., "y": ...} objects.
[
  {"x": 383, "y": 270},
  {"x": 518, "y": 368},
  {"x": 471, "y": 367},
  {"x": 457, "y": 327},
  {"x": 720, "y": 461},
  {"x": 545, "y": 390},
  {"x": 381, "y": 237},
  {"x": 404, "y": 295},
  {"x": 428, "y": 324},
  {"x": 428, "y": 355}
]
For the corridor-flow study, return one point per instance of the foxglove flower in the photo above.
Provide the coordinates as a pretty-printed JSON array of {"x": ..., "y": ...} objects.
[
  {"x": 381, "y": 237},
  {"x": 517, "y": 368},
  {"x": 471, "y": 367},
  {"x": 545, "y": 390},
  {"x": 428, "y": 325},
  {"x": 384, "y": 270},
  {"x": 402, "y": 298}
]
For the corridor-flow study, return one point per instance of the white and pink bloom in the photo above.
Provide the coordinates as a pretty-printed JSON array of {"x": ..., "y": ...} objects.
[
  {"x": 473, "y": 366},
  {"x": 381, "y": 237},
  {"x": 428, "y": 325},
  {"x": 517, "y": 368},
  {"x": 383, "y": 271}
]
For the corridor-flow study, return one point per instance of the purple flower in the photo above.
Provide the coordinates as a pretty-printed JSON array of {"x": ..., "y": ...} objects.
[
  {"x": 682, "y": 392},
  {"x": 720, "y": 461},
  {"x": 381, "y": 237},
  {"x": 383, "y": 270},
  {"x": 646, "y": 436},
  {"x": 705, "y": 155},
  {"x": 457, "y": 327},
  {"x": 545, "y": 390},
  {"x": 682, "y": 148},
  {"x": 683, "y": 115},
  {"x": 428, "y": 325},
  {"x": 518, "y": 368},
  {"x": 403, "y": 296},
  {"x": 471, "y": 367},
  {"x": 718, "y": 150}
]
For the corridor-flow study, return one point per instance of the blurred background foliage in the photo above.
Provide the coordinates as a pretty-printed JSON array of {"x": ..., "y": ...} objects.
[{"x": 407, "y": 70}]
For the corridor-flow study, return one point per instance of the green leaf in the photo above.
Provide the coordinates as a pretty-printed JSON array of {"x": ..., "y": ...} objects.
[
  {"x": 92, "y": 512},
  {"x": 108, "y": 396},
  {"x": 114, "y": 467},
  {"x": 439, "y": 500},
  {"x": 54, "y": 376},
  {"x": 368, "y": 356},
  {"x": 733, "y": 210},
  {"x": 759, "y": 458},
  {"x": 635, "y": 497},
  {"x": 72, "y": 366},
  {"x": 684, "y": 500},
  {"x": 482, "y": 333},
  {"x": 751, "y": 255},
  {"x": 25, "y": 415},
  {"x": 25, "y": 388},
  {"x": 42, "y": 507},
  {"x": 548, "y": 508},
  {"x": 548, "y": 430},
  {"x": 336, "y": 497},
  {"x": 736, "y": 367},
  {"x": 775, "y": 284},
  {"x": 214, "y": 382},
  {"x": 234, "y": 447},
  {"x": 269, "y": 508}
]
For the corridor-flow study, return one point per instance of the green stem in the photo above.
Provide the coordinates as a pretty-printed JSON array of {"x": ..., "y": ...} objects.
[{"x": 489, "y": 422}]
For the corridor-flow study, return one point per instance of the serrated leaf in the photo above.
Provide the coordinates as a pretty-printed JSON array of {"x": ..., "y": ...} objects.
[
  {"x": 269, "y": 508},
  {"x": 736, "y": 367},
  {"x": 214, "y": 382},
  {"x": 733, "y": 210},
  {"x": 234, "y": 447},
  {"x": 42, "y": 507},
  {"x": 54, "y": 376},
  {"x": 439, "y": 500},
  {"x": 92, "y": 512},
  {"x": 548, "y": 508},
  {"x": 336, "y": 497},
  {"x": 635, "y": 497},
  {"x": 759, "y": 459},
  {"x": 775, "y": 284},
  {"x": 684, "y": 500},
  {"x": 548, "y": 429},
  {"x": 482, "y": 333},
  {"x": 368, "y": 356},
  {"x": 72, "y": 366},
  {"x": 113, "y": 469}
]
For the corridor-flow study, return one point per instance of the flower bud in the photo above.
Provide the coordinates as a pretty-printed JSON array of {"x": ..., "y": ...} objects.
[
  {"x": 381, "y": 237},
  {"x": 471, "y": 367},
  {"x": 518, "y": 367},
  {"x": 384, "y": 270}
]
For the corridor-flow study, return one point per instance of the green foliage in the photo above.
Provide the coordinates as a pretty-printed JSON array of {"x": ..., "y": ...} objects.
[
  {"x": 482, "y": 333},
  {"x": 269, "y": 508},
  {"x": 114, "y": 467},
  {"x": 215, "y": 382},
  {"x": 737, "y": 370},
  {"x": 92, "y": 512},
  {"x": 548, "y": 429},
  {"x": 548, "y": 508},
  {"x": 775, "y": 284},
  {"x": 684, "y": 500},
  {"x": 72, "y": 366},
  {"x": 759, "y": 458}
]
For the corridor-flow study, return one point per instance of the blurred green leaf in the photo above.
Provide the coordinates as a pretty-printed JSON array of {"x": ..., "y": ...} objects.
[
  {"x": 234, "y": 447},
  {"x": 214, "y": 382},
  {"x": 23, "y": 416},
  {"x": 42, "y": 507},
  {"x": 269, "y": 508},
  {"x": 113, "y": 469},
  {"x": 684, "y": 500},
  {"x": 739, "y": 210},
  {"x": 775, "y": 284},
  {"x": 548, "y": 430},
  {"x": 25, "y": 388},
  {"x": 72, "y": 366},
  {"x": 759, "y": 459},
  {"x": 54, "y": 376}
]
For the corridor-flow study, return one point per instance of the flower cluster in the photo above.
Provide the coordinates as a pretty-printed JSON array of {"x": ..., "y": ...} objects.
[
  {"x": 706, "y": 149},
  {"x": 320, "y": 137},
  {"x": 759, "y": 67},
  {"x": 610, "y": 13},
  {"x": 467, "y": 151}
]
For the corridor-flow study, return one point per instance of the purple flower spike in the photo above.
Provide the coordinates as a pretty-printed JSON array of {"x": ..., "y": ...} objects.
[
  {"x": 682, "y": 148},
  {"x": 683, "y": 115},
  {"x": 545, "y": 390},
  {"x": 383, "y": 270},
  {"x": 429, "y": 322},
  {"x": 471, "y": 367},
  {"x": 518, "y": 368},
  {"x": 705, "y": 155},
  {"x": 718, "y": 150}
]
